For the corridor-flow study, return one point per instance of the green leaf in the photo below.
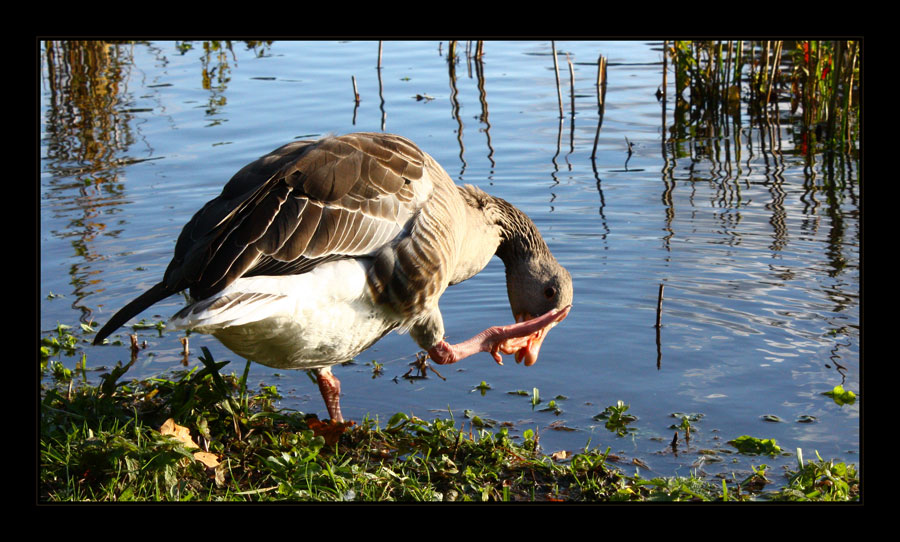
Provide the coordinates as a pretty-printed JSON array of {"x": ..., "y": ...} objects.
[
  {"x": 751, "y": 445},
  {"x": 616, "y": 418},
  {"x": 397, "y": 419},
  {"x": 841, "y": 396},
  {"x": 483, "y": 387}
]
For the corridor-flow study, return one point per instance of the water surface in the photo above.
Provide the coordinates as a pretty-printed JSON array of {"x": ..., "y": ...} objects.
[{"x": 759, "y": 251}]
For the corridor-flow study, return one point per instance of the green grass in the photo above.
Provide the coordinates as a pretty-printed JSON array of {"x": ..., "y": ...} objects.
[{"x": 103, "y": 443}]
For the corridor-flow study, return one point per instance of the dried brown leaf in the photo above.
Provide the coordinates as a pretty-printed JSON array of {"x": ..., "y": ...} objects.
[
  {"x": 208, "y": 459},
  {"x": 180, "y": 433},
  {"x": 560, "y": 455},
  {"x": 183, "y": 435}
]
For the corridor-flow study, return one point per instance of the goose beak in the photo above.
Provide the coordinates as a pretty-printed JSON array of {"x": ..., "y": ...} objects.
[{"x": 528, "y": 347}]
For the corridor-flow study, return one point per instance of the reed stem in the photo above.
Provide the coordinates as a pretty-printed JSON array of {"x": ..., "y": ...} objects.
[
  {"x": 659, "y": 301},
  {"x": 556, "y": 70},
  {"x": 601, "y": 98},
  {"x": 571, "y": 82}
]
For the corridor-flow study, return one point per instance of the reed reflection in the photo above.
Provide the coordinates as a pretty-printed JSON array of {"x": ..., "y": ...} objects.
[
  {"x": 484, "y": 117},
  {"x": 87, "y": 133},
  {"x": 452, "y": 59},
  {"x": 475, "y": 59}
]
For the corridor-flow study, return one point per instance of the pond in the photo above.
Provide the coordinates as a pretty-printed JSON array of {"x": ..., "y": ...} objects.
[{"x": 758, "y": 250}]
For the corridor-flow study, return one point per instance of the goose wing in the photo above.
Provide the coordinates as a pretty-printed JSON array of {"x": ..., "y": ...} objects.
[{"x": 302, "y": 204}]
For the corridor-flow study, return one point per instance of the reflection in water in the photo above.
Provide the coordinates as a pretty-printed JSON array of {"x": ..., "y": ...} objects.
[
  {"x": 601, "y": 106},
  {"x": 754, "y": 233},
  {"x": 711, "y": 157},
  {"x": 216, "y": 69},
  {"x": 478, "y": 60},
  {"x": 721, "y": 147},
  {"x": 562, "y": 115},
  {"x": 86, "y": 133},
  {"x": 603, "y": 221},
  {"x": 452, "y": 59},
  {"x": 553, "y": 174},
  {"x": 572, "y": 109},
  {"x": 85, "y": 127},
  {"x": 482, "y": 98},
  {"x": 738, "y": 157}
]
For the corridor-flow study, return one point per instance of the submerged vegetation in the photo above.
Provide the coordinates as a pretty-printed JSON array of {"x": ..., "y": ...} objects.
[{"x": 202, "y": 435}]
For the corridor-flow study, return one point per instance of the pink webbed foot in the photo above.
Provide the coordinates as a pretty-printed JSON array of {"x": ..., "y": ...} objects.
[{"x": 522, "y": 339}]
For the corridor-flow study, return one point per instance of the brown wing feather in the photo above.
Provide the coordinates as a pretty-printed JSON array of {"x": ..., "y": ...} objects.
[{"x": 303, "y": 203}]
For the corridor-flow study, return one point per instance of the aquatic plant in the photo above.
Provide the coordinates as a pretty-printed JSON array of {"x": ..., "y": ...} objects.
[{"x": 820, "y": 79}]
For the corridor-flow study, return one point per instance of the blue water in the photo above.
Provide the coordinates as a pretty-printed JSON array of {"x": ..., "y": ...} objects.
[{"x": 759, "y": 258}]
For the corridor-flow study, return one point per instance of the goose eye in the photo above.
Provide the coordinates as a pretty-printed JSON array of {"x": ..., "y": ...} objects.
[{"x": 549, "y": 292}]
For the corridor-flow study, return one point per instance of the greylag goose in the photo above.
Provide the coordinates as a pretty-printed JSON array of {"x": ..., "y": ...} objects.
[{"x": 315, "y": 251}]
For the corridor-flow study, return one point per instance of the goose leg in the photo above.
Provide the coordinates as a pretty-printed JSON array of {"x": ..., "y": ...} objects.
[
  {"x": 330, "y": 387},
  {"x": 523, "y": 339}
]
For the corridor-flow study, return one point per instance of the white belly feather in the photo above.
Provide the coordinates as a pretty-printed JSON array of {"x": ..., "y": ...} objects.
[{"x": 307, "y": 321}]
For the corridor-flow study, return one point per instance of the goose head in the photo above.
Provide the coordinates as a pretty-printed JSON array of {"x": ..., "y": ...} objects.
[{"x": 536, "y": 286}]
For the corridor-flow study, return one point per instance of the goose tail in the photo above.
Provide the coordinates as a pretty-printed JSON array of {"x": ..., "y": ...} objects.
[{"x": 157, "y": 293}]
